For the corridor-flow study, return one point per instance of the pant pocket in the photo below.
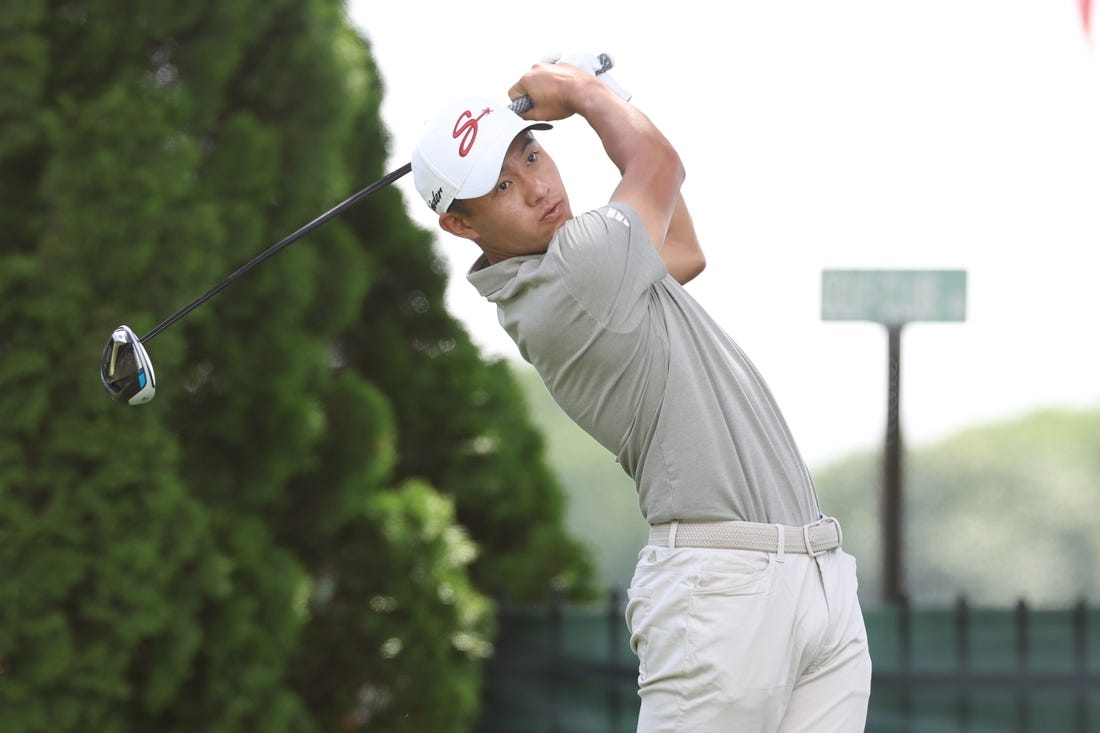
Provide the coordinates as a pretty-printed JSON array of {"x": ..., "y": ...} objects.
[
  {"x": 736, "y": 632},
  {"x": 638, "y": 609},
  {"x": 655, "y": 612}
]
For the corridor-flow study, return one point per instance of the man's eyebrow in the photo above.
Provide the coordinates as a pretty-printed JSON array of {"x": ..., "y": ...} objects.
[{"x": 528, "y": 141}]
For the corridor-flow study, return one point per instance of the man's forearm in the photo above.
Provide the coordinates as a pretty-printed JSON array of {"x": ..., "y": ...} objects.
[
  {"x": 628, "y": 136},
  {"x": 651, "y": 169}
]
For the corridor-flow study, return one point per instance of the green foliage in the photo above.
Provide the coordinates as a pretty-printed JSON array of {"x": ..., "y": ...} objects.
[
  {"x": 601, "y": 500},
  {"x": 24, "y": 65},
  {"x": 463, "y": 425},
  {"x": 996, "y": 513},
  {"x": 300, "y": 533},
  {"x": 120, "y": 589},
  {"x": 403, "y": 554}
]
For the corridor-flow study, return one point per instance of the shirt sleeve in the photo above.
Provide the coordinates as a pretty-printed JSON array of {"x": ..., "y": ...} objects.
[{"x": 608, "y": 263}]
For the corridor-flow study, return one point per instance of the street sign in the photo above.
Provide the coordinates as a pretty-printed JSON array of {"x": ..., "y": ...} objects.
[{"x": 893, "y": 297}]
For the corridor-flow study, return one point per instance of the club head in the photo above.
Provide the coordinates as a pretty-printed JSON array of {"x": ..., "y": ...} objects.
[{"x": 127, "y": 371}]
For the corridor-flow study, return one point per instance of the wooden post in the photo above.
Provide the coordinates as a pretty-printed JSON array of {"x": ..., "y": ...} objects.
[{"x": 893, "y": 544}]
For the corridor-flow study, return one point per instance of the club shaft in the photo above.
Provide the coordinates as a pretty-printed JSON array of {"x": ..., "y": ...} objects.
[
  {"x": 519, "y": 106},
  {"x": 279, "y": 246}
]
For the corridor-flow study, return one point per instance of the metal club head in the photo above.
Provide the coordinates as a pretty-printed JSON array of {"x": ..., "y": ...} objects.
[{"x": 127, "y": 371}]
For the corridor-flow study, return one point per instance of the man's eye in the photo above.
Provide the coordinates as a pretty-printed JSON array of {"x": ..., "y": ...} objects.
[
  {"x": 503, "y": 185},
  {"x": 534, "y": 156}
]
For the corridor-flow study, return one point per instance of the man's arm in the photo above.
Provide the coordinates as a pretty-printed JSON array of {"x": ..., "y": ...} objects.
[
  {"x": 682, "y": 255},
  {"x": 650, "y": 167}
]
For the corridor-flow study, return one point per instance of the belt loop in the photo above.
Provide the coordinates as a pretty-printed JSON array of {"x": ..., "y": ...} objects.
[
  {"x": 780, "y": 543},
  {"x": 839, "y": 531},
  {"x": 672, "y": 534},
  {"x": 806, "y": 535}
]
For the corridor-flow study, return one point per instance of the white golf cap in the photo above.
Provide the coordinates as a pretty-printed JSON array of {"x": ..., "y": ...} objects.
[{"x": 460, "y": 154}]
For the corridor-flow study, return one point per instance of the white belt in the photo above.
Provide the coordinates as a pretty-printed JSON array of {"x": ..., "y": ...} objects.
[{"x": 811, "y": 539}]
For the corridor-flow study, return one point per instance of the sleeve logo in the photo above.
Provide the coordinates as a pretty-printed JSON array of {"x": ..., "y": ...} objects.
[{"x": 618, "y": 216}]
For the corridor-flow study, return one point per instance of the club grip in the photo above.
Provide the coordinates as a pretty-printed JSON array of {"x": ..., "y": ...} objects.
[
  {"x": 521, "y": 105},
  {"x": 524, "y": 103}
]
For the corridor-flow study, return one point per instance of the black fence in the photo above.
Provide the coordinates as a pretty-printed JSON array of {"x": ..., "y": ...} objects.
[{"x": 560, "y": 668}]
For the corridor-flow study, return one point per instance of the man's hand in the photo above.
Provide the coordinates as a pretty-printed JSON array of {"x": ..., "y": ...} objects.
[
  {"x": 556, "y": 90},
  {"x": 651, "y": 170},
  {"x": 591, "y": 63}
]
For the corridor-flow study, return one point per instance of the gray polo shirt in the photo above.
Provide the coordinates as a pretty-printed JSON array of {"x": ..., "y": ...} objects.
[{"x": 637, "y": 363}]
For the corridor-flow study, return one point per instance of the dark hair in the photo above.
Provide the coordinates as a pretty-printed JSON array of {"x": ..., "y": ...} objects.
[{"x": 458, "y": 206}]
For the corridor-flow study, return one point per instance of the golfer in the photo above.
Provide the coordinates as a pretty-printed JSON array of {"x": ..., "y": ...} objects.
[{"x": 743, "y": 609}]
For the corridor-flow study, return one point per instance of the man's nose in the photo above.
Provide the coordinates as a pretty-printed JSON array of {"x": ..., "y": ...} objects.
[{"x": 537, "y": 189}]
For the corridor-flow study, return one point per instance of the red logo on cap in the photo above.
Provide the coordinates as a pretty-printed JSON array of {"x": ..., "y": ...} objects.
[{"x": 466, "y": 128}]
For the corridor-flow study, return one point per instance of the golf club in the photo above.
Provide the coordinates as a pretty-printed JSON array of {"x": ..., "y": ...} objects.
[{"x": 127, "y": 371}]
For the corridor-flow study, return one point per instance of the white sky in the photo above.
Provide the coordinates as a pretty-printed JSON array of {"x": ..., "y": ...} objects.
[{"x": 821, "y": 134}]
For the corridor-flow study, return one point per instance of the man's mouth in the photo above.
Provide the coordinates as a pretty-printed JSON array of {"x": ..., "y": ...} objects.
[{"x": 552, "y": 213}]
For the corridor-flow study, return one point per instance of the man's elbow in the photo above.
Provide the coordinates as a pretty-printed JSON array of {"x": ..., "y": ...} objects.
[
  {"x": 700, "y": 262},
  {"x": 691, "y": 251},
  {"x": 695, "y": 265},
  {"x": 686, "y": 266}
]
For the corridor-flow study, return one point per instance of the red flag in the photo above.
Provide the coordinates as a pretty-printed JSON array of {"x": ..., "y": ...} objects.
[{"x": 1086, "y": 13}]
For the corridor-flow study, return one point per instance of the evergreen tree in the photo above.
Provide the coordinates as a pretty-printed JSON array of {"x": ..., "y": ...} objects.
[
  {"x": 121, "y": 594},
  {"x": 464, "y": 427},
  {"x": 269, "y": 545}
]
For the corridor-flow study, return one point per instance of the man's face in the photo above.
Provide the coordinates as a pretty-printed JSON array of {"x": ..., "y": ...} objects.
[{"x": 524, "y": 209}]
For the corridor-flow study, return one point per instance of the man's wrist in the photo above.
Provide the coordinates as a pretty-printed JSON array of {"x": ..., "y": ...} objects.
[{"x": 590, "y": 96}]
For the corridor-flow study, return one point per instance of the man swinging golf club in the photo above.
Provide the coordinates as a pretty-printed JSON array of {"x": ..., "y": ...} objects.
[
  {"x": 743, "y": 609},
  {"x": 127, "y": 371}
]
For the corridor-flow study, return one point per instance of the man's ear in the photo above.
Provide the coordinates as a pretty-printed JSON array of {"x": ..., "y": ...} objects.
[{"x": 457, "y": 224}]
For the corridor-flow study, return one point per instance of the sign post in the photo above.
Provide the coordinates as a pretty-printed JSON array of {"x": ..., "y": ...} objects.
[{"x": 893, "y": 298}]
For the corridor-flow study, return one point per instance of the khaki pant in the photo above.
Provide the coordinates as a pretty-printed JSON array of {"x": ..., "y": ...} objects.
[{"x": 732, "y": 641}]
